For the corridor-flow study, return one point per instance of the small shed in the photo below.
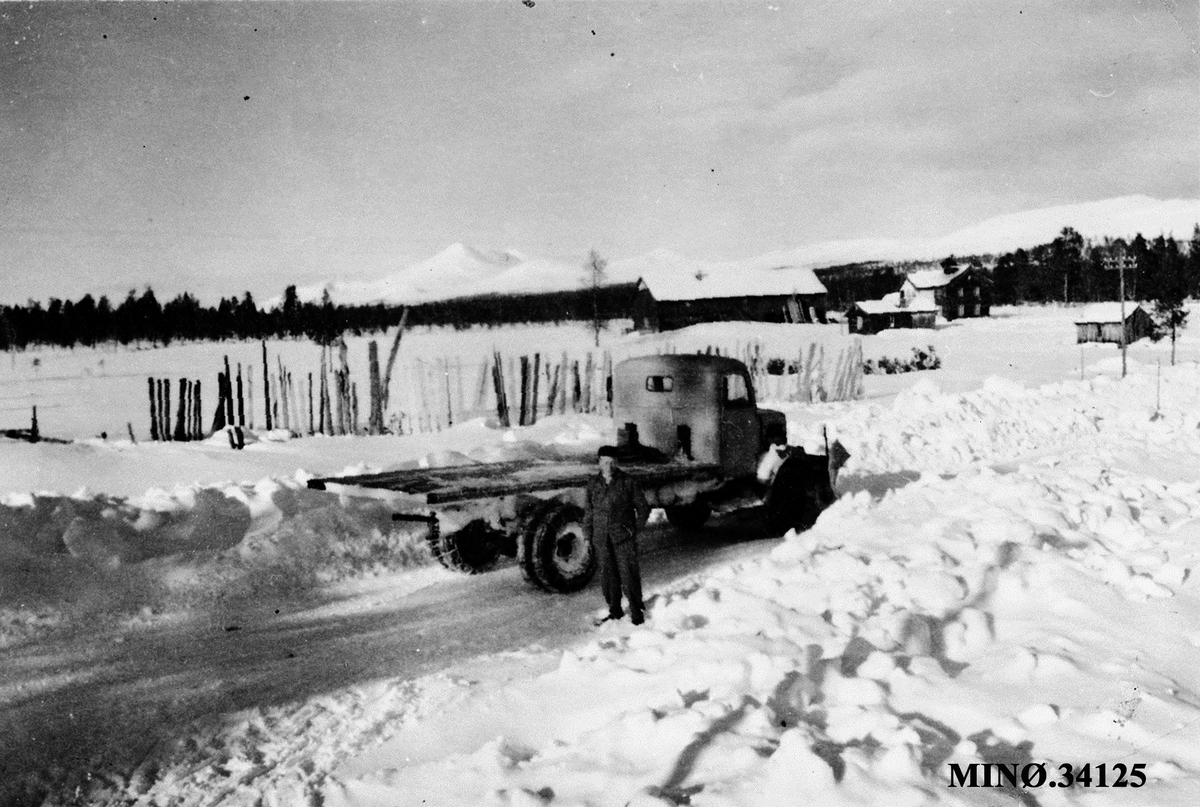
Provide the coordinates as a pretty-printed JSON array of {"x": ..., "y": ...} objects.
[
  {"x": 1101, "y": 322},
  {"x": 676, "y": 299},
  {"x": 893, "y": 311}
]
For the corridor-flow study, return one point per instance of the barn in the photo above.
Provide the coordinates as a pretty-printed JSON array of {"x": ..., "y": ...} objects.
[
  {"x": 958, "y": 291},
  {"x": 668, "y": 301},
  {"x": 893, "y": 311},
  {"x": 1101, "y": 322}
]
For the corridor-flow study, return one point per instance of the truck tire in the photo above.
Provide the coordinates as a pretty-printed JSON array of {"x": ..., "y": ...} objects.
[
  {"x": 473, "y": 549},
  {"x": 688, "y": 517},
  {"x": 796, "y": 497},
  {"x": 562, "y": 555},
  {"x": 527, "y": 540}
]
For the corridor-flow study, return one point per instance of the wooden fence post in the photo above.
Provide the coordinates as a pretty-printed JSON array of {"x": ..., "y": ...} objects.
[
  {"x": 524, "y": 393},
  {"x": 576, "y": 392},
  {"x": 180, "y": 433},
  {"x": 153, "y": 410},
  {"x": 281, "y": 393},
  {"x": 321, "y": 395},
  {"x": 218, "y": 421},
  {"x": 562, "y": 387},
  {"x": 552, "y": 385},
  {"x": 375, "y": 418},
  {"x": 859, "y": 384},
  {"x": 533, "y": 392},
  {"x": 588, "y": 373},
  {"x": 166, "y": 392},
  {"x": 481, "y": 397},
  {"x": 498, "y": 384},
  {"x": 385, "y": 385},
  {"x": 266, "y": 386},
  {"x": 241, "y": 404},
  {"x": 344, "y": 387},
  {"x": 607, "y": 375},
  {"x": 197, "y": 412},
  {"x": 229, "y": 394},
  {"x": 327, "y": 394}
]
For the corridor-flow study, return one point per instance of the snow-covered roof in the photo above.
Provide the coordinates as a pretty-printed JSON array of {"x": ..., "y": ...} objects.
[
  {"x": 1105, "y": 313},
  {"x": 934, "y": 278},
  {"x": 686, "y": 284},
  {"x": 890, "y": 304}
]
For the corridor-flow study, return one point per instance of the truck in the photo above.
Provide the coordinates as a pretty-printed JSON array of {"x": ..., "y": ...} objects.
[{"x": 689, "y": 432}]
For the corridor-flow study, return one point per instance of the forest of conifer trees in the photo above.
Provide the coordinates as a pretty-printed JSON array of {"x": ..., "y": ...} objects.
[
  {"x": 141, "y": 318},
  {"x": 1068, "y": 269}
]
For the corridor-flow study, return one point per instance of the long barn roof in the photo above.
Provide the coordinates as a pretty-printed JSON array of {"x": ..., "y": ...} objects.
[
  {"x": 699, "y": 285},
  {"x": 1105, "y": 313}
]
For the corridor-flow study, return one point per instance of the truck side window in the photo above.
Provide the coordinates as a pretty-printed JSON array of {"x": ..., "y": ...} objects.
[
  {"x": 736, "y": 391},
  {"x": 659, "y": 383}
]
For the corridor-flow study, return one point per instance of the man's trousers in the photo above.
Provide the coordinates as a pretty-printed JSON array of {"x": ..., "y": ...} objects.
[{"x": 619, "y": 571}]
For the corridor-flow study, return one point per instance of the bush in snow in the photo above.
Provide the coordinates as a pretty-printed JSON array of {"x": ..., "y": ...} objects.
[{"x": 926, "y": 359}]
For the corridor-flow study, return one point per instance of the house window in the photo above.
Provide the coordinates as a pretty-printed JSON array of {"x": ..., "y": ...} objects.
[
  {"x": 962, "y": 309},
  {"x": 976, "y": 307},
  {"x": 659, "y": 383},
  {"x": 977, "y": 292},
  {"x": 960, "y": 291},
  {"x": 736, "y": 390}
]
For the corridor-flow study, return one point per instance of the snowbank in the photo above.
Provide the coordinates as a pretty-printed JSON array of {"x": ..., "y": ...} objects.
[
  {"x": 66, "y": 561},
  {"x": 965, "y": 619}
]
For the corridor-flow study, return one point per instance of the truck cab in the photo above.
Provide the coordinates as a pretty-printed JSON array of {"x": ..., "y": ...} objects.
[{"x": 695, "y": 407}]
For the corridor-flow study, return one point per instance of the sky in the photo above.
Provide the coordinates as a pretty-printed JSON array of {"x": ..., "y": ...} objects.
[{"x": 220, "y": 148}]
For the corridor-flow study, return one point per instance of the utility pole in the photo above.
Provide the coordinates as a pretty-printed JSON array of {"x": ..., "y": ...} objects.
[
  {"x": 1121, "y": 270},
  {"x": 1120, "y": 258}
]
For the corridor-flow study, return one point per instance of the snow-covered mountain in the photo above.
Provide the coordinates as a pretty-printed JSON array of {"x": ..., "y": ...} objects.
[
  {"x": 455, "y": 271},
  {"x": 461, "y": 270}
]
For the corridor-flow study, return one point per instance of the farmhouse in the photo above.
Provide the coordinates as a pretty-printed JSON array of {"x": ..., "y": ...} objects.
[
  {"x": 893, "y": 311},
  {"x": 674, "y": 300},
  {"x": 957, "y": 291},
  {"x": 1101, "y": 322}
]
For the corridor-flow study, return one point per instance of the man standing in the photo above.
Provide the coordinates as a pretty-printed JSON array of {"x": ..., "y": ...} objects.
[{"x": 616, "y": 509}]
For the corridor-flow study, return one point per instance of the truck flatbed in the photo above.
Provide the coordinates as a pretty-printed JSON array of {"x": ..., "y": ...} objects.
[{"x": 459, "y": 483}]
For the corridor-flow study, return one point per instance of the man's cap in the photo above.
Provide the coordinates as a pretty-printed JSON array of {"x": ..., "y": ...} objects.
[{"x": 606, "y": 451}]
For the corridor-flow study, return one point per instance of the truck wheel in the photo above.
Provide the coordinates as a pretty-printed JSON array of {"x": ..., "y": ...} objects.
[
  {"x": 688, "y": 517},
  {"x": 795, "y": 498},
  {"x": 527, "y": 541},
  {"x": 563, "y": 559},
  {"x": 473, "y": 549}
]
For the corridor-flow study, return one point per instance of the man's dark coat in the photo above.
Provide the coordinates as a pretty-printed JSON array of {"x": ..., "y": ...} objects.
[{"x": 615, "y": 512}]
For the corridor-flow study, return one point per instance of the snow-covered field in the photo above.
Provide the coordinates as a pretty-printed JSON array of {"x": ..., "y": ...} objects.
[
  {"x": 102, "y": 393},
  {"x": 1008, "y": 577}
]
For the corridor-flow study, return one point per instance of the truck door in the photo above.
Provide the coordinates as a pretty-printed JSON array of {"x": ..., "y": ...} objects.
[{"x": 739, "y": 425}]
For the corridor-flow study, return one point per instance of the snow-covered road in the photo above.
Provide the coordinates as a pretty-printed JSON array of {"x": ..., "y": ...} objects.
[{"x": 101, "y": 705}]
